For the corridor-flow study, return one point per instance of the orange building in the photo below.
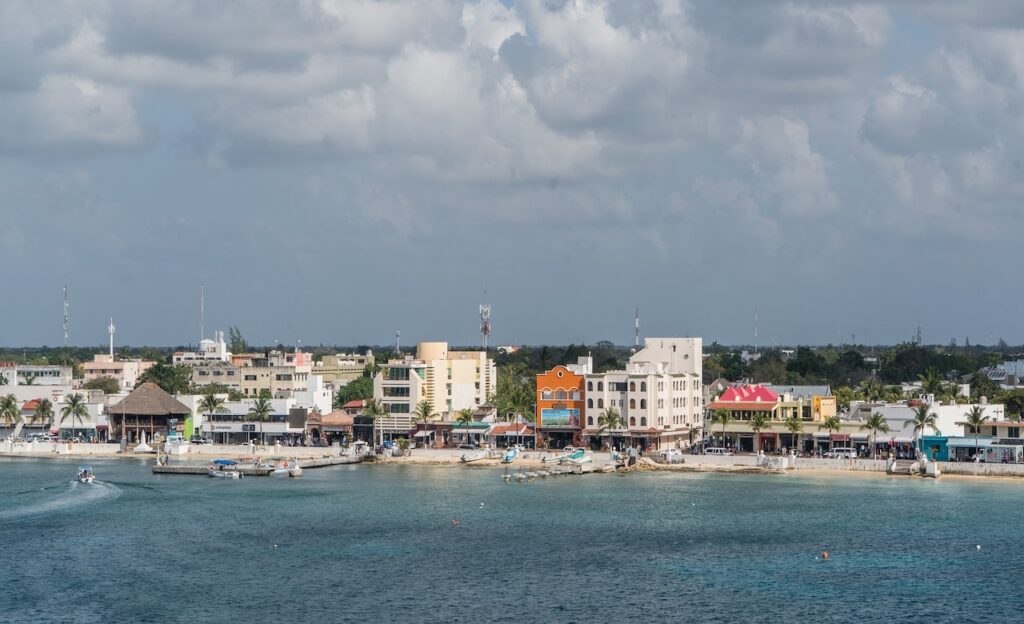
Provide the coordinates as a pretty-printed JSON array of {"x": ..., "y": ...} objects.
[{"x": 560, "y": 401}]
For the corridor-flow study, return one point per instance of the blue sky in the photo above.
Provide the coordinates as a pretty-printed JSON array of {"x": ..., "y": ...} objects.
[{"x": 336, "y": 170}]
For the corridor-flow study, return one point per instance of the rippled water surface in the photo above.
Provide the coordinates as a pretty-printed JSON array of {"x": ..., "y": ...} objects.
[{"x": 374, "y": 543}]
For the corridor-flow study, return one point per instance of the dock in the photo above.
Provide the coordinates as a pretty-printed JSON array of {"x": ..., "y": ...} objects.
[{"x": 249, "y": 470}]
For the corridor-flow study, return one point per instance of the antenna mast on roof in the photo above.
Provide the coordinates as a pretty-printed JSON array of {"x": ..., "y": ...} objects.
[
  {"x": 755, "y": 330},
  {"x": 636, "y": 329},
  {"x": 110, "y": 330},
  {"x": 398, "y": 347},
  {"x": 485, "y": 322},
  {"x": 202, "y": 312},
  {"x": 66, "y": 324}
]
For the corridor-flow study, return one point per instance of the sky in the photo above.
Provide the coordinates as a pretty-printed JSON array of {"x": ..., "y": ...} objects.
[{"x": 336, "y": 170}]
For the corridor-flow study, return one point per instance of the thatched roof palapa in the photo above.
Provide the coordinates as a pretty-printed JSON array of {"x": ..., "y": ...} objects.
[{"x": 149, "y": 399}]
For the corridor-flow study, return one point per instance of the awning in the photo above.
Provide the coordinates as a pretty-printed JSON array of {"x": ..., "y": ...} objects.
[
  {"x": 860, "y": 436},
  {"x": 822, "y": 434},
  {"x": 422, "y": 434}
]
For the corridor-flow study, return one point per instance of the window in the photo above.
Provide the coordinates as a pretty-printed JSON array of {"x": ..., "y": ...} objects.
[
  {"x": 590, "y": 386},
  {"x": 600, "y": 403},
  {"x": 545, "y": 395},
  {"x": 1014, "y": 432},
  {"x": 590, "y": 421},
  {"x": 632, "y": 421},
  {"x": 643, "y": 403},
  {"x": 250, "y": 377},
  {"x": 643, "y": 421},
  {"x": 575, "y": 395},
  {"x": 560, "y": 395},
  {"x": 600, "y": 386},
  {"x": 643, "y": 386},
  {"x": 632, "y": 386},
  {"x": 398, "y": 408},
  {"x": 590, "y": 402},
  {"x": 399, "y": 391},
  {"x": 632, "y": 404}
]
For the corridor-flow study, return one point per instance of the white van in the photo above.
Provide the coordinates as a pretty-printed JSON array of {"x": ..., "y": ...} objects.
[
  {"x": 717, "y": 450},
  {"x": 842, "y": 452}
]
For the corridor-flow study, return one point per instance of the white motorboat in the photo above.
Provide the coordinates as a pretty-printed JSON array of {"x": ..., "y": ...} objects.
[
  {"x": 85, "y": 474},
  {"x": 578, "y": 457},
  {"x": 472, "y": 457},
  {"x": 223, "y": 474},
  {"x": 295, "y": 471}
]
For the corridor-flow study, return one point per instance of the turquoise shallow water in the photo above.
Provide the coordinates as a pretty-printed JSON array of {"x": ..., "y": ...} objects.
[{"x": 373, "y": 543}]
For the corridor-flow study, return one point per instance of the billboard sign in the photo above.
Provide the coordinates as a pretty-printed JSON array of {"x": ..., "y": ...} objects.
[{"x": 551, "y": 417}]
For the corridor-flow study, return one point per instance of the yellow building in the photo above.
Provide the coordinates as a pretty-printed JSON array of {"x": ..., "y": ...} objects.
[
  {"x": 342, "y": 367},
  {"x": 811, "y": 405}
]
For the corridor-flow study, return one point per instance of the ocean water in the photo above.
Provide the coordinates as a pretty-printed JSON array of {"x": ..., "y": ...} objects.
[{"x": 378, "y": 543}]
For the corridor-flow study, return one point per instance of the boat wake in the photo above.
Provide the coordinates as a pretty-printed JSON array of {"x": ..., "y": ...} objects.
[{"x": 59, "y": 499}]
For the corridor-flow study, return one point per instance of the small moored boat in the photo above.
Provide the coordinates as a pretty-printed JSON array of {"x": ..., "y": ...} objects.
[
  {"x": 85, "y": 474},
  {"x": 224, "y": 469},
  {"x": 472, "y": 457},
  {"x": 510, "y": 455}
]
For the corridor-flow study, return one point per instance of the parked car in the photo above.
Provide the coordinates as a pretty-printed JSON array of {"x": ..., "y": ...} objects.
[
  {"x": 842, "y": 452},
  {"x": 198, "y": 440},
  {"x": 717, "y": 450},
  {"x": 468, "y": 446}
]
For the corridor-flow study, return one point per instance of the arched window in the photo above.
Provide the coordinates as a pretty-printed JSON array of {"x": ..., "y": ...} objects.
[
  {"x": 632, "y": 386},
  {"x": 632, "y": 421},
  {"x": 560, "y": 395},
  {"x": 643, "y": 403},
  {"x": 632, "y": 404},
  {"x": 600, "y": 386},
  {"x": 545, "y": 395},
  {"x": 643, "y": 421},
  {"x": 600, "y": 403},
  {"x": 643, "y": 386},
  {"x": 590, "y": 386},
  {"x": 590, "y": 402},
  {"x": 590, "y": 421},
  {"x": 575, "y": 395}
]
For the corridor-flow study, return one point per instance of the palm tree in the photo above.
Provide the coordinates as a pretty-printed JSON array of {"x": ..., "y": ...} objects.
[
  {"x": 609, "y": 419},
  {"x": 794, "y": 425},
  {"x": 424, "y": 411},
  {"x": 875, "y": 423},
  {"x": 43, "y": 413},
  {"x": 10, "y": 413},
  {"x": 464, "y": 418},
  {"x": 260, "y": 412},
  {"x": 832, "y": 423},
  {"x": 211, "y": 404},
  {"x": 375, "y": 410},
  {"x": 974, "y": 419},
  {"x": 923, "y": 418},
  {"x": 722, "y": 417},
  {"x": 931, "y": 382},
  {"x": 893, "y": 394},
  {"x": 758, "y": 422},
  {"x": 75, "y": 409}
]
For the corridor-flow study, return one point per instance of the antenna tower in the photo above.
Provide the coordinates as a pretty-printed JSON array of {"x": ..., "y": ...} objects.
[
  {"x": 398, "y": 345},
  {"x": 66, "y": 323},
  {"x": 110, "y": 330},
  {"x": 202, "y": 312},
  {"x": 636, "y": 329},
  {"x": 485, "y": 322},
  {"x": 755, "y": 330}
]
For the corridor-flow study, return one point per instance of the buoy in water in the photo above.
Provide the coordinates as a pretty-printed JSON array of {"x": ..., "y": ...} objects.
[
  {"x": 455, "y": 522},
  {"x": 978, "y": 546},
  {"x": 824, "y": 555}
]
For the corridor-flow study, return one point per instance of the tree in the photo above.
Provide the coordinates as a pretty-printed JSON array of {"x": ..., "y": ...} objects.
[
  {"x": 260, "y": 412},
  {"x": 794, "y": 425},
  {"x": 832, "y": 423},
  {"x": 922, "y": 420},
  {"x": 931, "y": 382},
  {"x": 236, "y": 343},
  {"x": 758, "y": 422},
  {"x": 424, "y": 411},
  {"x": 107, "y": 384},
  {"x": 844, "y": 395},
  {"x": 722, "y": 417},
  {"x": 211, "y": 404},
  {"x": 465, "y": 418},
  {"x": 173, "y": 379},
  {"x": 74, "y": 409},
  {"x": 515, "y": 393},
  {"x": 10, "y": 413},
  {"x": 375, "y": 410},
  {"x": 359, "y": 389},
  {"x": 974, "y": 419},
  {"x": 875, "y": 423},
  {"x": 608, "y": 420}
]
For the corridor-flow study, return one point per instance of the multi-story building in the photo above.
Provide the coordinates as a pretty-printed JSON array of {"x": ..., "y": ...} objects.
[
  {"x": 811, "y": 405},
  {"x": 209, "y": 372},
  {"x": 126, "y": 372},
  {"x": 449, "y": 380},
  {"x": 282, "y": 373},
  {"x": 560, "y": 403},
  {"x": 658, "y": 397},
  {"x": 343, "y": 367},
  {"x": 215, "y": 349},
  {"x": 35, "y": 374}
]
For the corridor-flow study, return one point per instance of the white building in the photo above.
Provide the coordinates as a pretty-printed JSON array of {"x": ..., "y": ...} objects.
[
  {"x": 209, "y": 350},
  {"x": 35, "y": 374},
  {"x": 659, "y": 396},
  {"x": 898, "y": 415},
  {"x": 126, "y": 372},
  {"x": 449, "y": 380}
]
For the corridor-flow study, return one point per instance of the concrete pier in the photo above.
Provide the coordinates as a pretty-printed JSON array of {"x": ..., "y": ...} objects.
[{"x": 249, "y": 470}]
